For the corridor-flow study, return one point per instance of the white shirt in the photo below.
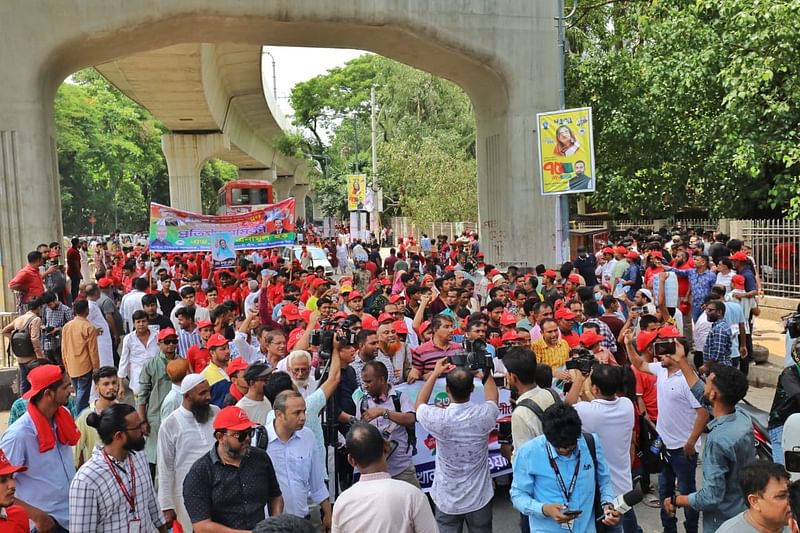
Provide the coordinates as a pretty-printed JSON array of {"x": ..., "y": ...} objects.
[
  {"x": 251, "y": 301},
  {"x": 130, "y": 303},
  {"x": 701, "y": 330},
  {"x": 300, "y": 473},
  {"x": 104, "y": 342},
  {"x": 381, "y": 504},
  {"x": 247, "y": 351},
  {"x": 461, "y": 482},
  {"x": 256, "y": 411},
  {"x": 134, "y": 355},
  {"x": 200, "y": 313},
  {"x": 86, "y": 273},
  {"x": 181, "y": 442},
  {"x": 612, "y": 421},
  {"x": 675, "y": 397}
]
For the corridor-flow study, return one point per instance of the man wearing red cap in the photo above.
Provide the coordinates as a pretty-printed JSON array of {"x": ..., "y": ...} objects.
[
  {"x": 215, "y": 373},
  {"x": 550, "y": 292},
  {"x": 42, "y": 441},
  {"x": 747, "y": 299},
  {"x": 565, "y": 320},
  {"x": 13, "y": 518},
  {"x": 355, "y": 303},
  {"x": 154, "y": 385},
  {"x": 229, "y": 487},
  {"x": 238, "y": 387},
  {"x": 184, "y": 437},
  {"x": 681, "y": 430}
]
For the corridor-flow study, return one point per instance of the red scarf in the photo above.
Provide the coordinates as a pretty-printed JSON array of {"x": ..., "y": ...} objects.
[
  {"x": 65, "y": 427},
  {"x": 236, "y": 393}
]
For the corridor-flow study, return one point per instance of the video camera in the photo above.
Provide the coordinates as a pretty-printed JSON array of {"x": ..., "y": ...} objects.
[
  {"x": 581, "y": 359},
  {"x": 474, "y": 356},
  {"x": 324, "y": 336}
]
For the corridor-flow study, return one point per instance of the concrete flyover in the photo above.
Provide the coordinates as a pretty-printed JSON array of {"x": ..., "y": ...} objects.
[
  {"x": 211, "y": 98},
  {"x": 503, "y": 54}
]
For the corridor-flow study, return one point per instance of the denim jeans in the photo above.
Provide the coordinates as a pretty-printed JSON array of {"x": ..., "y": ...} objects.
[
  {"x": 628, "y": 524},
  {"x": 24, "y": 384},
  {"x": 479, "y": 521},
  {"x": 82, "y": 386},
  {"x": 679, "y": 467},
  {"x": 775, "y": 437}
]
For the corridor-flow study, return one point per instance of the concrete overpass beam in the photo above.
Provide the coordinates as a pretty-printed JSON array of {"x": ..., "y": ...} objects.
[
  {"x": 252, "y": 174},
  {"x": 186, "y": 154}
]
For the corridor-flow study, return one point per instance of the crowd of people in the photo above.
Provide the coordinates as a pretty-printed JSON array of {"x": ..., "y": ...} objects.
[{"x": 158, "y": 392}]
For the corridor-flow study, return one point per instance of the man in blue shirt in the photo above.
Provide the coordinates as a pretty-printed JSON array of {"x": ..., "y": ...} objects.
[
  {"x": 555, "y": 473},
  {"x": 729, "y": 445},
  {"x": 717, "y": 347},
  {"x": 701, "y": 279}
]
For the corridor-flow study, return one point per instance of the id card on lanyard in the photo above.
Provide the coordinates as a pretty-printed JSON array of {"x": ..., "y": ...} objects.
[
  {"x": 134, "y": 524},
  {"x": 565, "y": 491}
]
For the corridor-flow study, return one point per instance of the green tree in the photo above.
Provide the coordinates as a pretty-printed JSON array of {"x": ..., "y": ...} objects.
[{"x": 426, "y": 147}]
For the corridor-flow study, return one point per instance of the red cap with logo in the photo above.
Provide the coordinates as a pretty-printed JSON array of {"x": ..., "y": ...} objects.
[
  {"x": 232, "y": 418},
  {"x": 236, "y": 365},
  {"x": 290, "y": 312},
  {"x": 565, "y": 314},
  {"x": 369, "y": 322},
  {"x": 395, "y": 297},
  {"x": 645, "y": 339},
  {"x": 400, "y": 327},
  {"x": 204, "y": 324},
  {"x": 507, "y": 319},
  {"x": 216, "y": 340},
  {"x": 385, "y": 317},
  {"x": 353, "y": 295},
  {"x": 6, "y": 468}
]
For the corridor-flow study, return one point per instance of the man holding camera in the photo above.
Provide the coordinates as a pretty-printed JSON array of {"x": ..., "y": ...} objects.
[
  {"x": 393, "y": 414},
  {"x": 680, "y": 431},
  {"x": 462, "y": 486}
]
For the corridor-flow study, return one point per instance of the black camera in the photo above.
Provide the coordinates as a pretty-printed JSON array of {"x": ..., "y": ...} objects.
[
  {"x": 664, "y": 347},
  {"x": 474, "y": 356},
  {"x": 324, "y": 336},
  {"x": 582, "y": 360}
]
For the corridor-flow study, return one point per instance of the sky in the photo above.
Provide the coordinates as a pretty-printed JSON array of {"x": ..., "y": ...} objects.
[{"x": 296, "y": 64}]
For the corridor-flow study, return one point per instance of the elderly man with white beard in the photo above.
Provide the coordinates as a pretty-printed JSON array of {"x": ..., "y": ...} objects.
[
  {"x": 185, "y": 435},
  {"x": 298, "y": 363}
]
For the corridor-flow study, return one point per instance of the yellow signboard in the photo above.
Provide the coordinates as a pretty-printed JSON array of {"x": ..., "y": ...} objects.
[
  {"x": 356, "y": 192},
  {"x": 566, "y": 151}
]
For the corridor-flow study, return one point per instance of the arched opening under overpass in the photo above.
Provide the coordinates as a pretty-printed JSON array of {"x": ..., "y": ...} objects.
[{"x": 503, "y": 56}]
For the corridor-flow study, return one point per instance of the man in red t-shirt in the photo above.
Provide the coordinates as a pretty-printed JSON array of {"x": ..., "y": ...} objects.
[
  {"x": 74, "y": 266},
  {"x": 28, "y": 280},
  {"x": 13, "y": 518}
]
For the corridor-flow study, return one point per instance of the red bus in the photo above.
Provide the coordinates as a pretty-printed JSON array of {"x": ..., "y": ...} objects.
[{"x": 240, "y": 196}]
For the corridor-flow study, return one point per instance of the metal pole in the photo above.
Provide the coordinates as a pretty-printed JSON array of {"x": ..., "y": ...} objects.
[
  {"x": 562, "y": 203},
  {"x": 373, "y": 218},
  {"x": 274, "y": 78},
  {"x": 356, "y": 163}
]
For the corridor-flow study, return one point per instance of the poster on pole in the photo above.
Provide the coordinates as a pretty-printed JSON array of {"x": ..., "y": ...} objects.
[
  {"x": 566, "y": 151},
  {"x": 356, "y": 192},
  {"x": 223, "y": 250},
  {"x": 424, "y": 456},
  {"x": 174, "y": 230}
]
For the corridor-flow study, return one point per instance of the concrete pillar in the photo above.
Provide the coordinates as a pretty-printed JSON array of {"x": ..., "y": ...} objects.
[
  {"x": 30, "y": 202},
  {"x": 186, "y": 154},
  {"x": 300, "y": 192},
  {"x": 282, "y": 187}
]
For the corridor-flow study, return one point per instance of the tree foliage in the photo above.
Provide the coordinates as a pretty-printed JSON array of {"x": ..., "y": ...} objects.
[
  {"x": 110, "y": 161},
  {"x": 426, "y": 137},
  {"x": 695, "y": 104}
]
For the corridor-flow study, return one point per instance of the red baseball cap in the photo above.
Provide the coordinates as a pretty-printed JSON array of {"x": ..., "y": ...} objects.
[
  {"x": 507, "y": 319},
  {"x": 425, "y": 325},
  {"x": 669, "y": 332},
  {"x": 590, "y": 338},
  {"x": 450, "y": 268},
  {"x": 395, "y": 297},
  {"x": 550, "y": 274},
  {"x": 632, "y": 255},
  {"x": 369, "y": 322},
  {"x": 216, "y": 340},
  {"x": 608, "y": 250},
  {"x": 42, "y": 377},
  {"x": 353, "y": 295},
  {"x": 319, "y": 281},
  {"x": 385, "y": 317},
  {"x": 290, "y": 312},
  {"x": 737, "y": 281},
  {"x": 105, "y": 283},
  {"x": 493, "y": 272},
  {"x": 739, "y": 256},
  {"x": 386, "y": 281},
  {"x": 644, "y": 339},
  {"x": 6, "y": 468},
  {"x": 305, "y": 315},
  {"x": 656, "y": 253},
  {"x": 165, "y": 333},
  {"x": 235, "y": 366},
  {"x": 400, "y": 327},
  {"x": 294, "y": 336},
  {"x": 340, "y": 314},
  {"x": 574, "y": 278},
  {"x": 204, "y": 324},
  {"x": 233, "y": 418},
  {"x": 564, "y": 313},
  {"x": 620, "y": 250},
  {"x": 511, "y": 336}
]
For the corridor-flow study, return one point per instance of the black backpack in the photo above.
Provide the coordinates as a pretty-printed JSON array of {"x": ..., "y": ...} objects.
[
  {"x": 533, "y": 406},
  {"x": 411, "y": 431},
  {"x": 21, "y": 344}
]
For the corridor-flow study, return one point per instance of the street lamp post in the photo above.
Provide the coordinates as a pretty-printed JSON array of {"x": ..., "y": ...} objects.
[{"x": 274, "y": 78}]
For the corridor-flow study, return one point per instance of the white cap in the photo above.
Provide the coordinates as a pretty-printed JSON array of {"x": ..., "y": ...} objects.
[{"x": 191, "y": 381}]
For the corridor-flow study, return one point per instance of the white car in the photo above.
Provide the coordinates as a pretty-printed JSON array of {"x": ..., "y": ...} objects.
[{"x": 319, "y": 257}]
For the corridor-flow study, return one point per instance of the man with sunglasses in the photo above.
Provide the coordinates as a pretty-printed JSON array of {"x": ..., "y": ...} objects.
[
  {"x": 154, "y": 385},
  {"x": 230, "y": 486}
]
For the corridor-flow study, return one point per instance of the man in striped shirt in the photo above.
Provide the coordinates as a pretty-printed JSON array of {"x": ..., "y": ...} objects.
[{"x": 424, "y": 357}]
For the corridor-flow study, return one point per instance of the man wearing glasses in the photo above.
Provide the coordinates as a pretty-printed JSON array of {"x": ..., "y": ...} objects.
[{"x": 229, "y": 486}]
